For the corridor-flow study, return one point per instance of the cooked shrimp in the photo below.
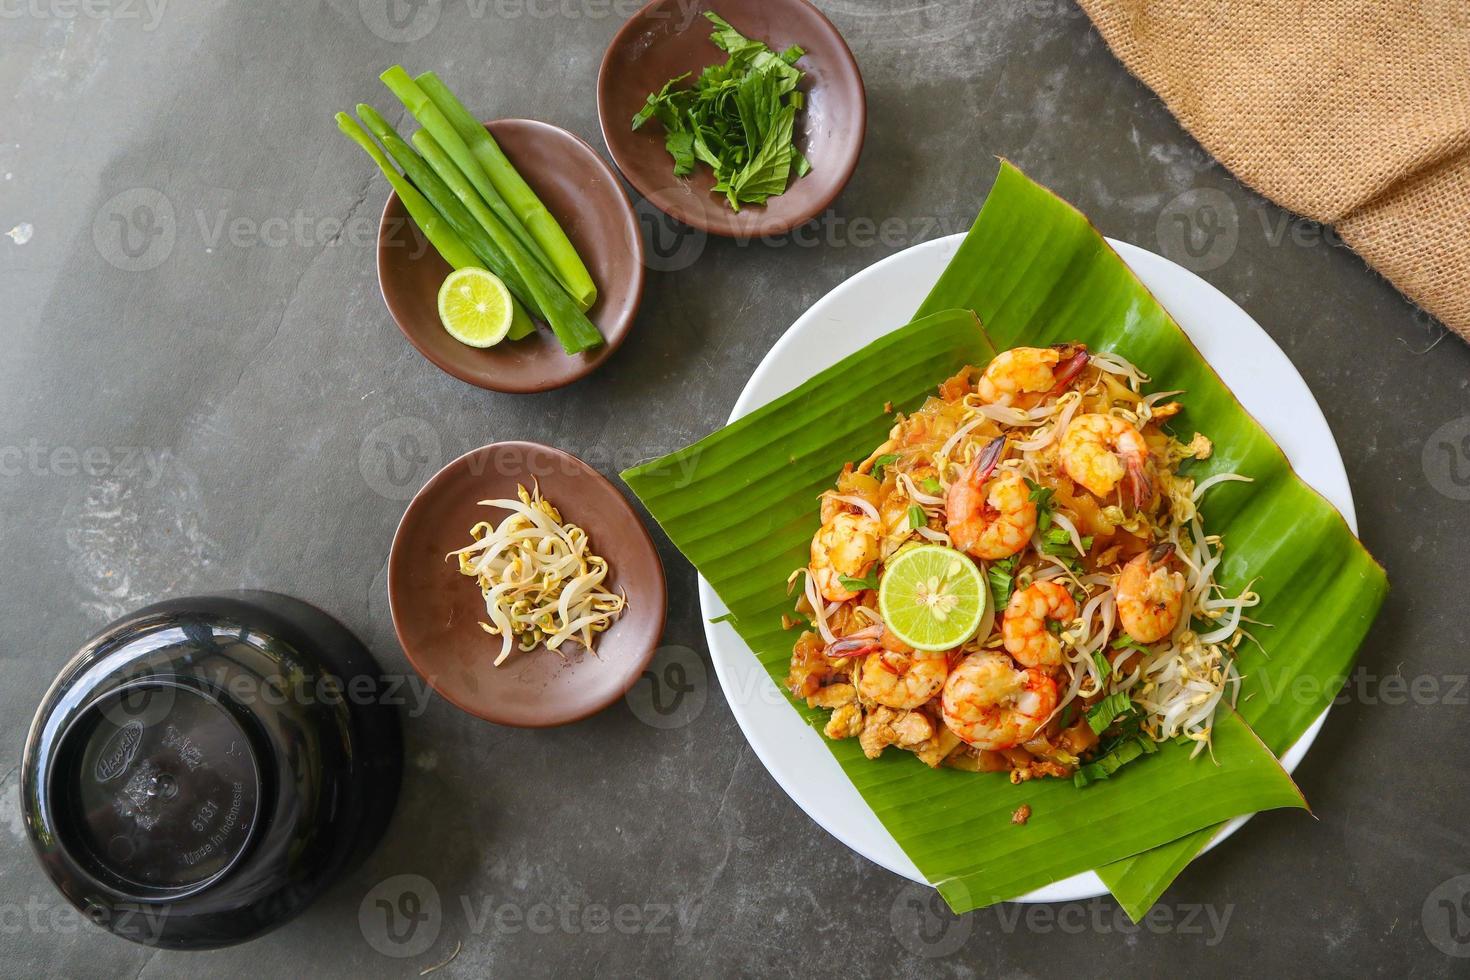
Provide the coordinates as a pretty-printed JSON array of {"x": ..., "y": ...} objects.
[
  {"x": 845, "y": 546},
  {"x": 890, "y": 641},
  {"x": 1097, "y": 451},
  {"x": 992, "y": 705},
  {"x": 1025, "y": 631},
  {"x": 991, "y": 519},
  {"x": 1029, "y": 370},
  {"x": 1150, "y": 592},
  {"x": 901, "y": 681}
]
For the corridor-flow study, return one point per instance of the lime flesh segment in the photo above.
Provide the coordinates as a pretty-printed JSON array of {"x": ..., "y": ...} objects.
[
  {"x": 932, "y": 597},
  {"x": 475, "y": 307}
]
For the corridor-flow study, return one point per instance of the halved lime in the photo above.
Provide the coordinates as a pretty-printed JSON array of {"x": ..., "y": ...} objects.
[
  {"x": 475, "y": 307},
  {"x": 932, "y": 597}
]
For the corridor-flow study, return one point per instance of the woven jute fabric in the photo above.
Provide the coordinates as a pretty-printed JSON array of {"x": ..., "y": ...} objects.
[{"x": 1355, "y": 113}]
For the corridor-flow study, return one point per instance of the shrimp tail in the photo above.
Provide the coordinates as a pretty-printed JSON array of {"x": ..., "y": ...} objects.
[
  {"x": 988, "y": 459},
  {"x": 1139, "y": 483},
  {"x": 1067, "y": 371},
  {"x": 1160, "y": 552},
  {"x": 856, "y": 644}
]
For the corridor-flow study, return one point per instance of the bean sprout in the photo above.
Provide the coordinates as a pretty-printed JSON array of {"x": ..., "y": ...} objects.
[{"x": 541, "y": 582}]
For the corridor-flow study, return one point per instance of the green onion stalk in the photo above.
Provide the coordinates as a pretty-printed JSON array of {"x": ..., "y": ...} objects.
[
  {"x": 554, "y": 246},
  {"x": 570, "y": 324},
  {"x": 436, "y": 228},
  {"x": 416, "y": 169},
  {"x": 418, "y": 103}
]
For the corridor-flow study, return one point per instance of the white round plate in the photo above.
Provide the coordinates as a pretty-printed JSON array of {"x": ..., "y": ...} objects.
[{"x": 878, "y": 300}]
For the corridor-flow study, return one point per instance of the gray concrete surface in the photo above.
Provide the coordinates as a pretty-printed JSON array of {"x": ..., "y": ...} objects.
[{"x": 205, "y": 405}]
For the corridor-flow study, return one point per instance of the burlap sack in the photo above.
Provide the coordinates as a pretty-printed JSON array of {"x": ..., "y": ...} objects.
[{"x": 1355, "y": 113}]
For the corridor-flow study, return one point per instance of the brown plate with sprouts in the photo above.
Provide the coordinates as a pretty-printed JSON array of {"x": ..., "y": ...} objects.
[
  {"x": 523, "y": 554},
  {"x": 1106, "y": 633}
]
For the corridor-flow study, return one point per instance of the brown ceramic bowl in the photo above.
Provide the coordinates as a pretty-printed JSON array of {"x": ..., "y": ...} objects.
[
  {"x": 437, "y": 610},
  {"x": 585, "y": 196},
  {"x": 670, "y": 37}
]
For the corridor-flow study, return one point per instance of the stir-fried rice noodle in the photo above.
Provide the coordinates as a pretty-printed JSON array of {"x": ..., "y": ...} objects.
[{"x": 1094, "y": 518}]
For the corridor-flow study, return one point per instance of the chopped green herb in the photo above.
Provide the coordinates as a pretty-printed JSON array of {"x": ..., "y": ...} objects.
[
  {"x": 1041, "y": 497},
  {"x": 1069, "y": 715},
  {"x": 1001, "y": 577},
  {"x": 1121, "y": 754},
  {"x": 1101, "y": 715},
  {"x": 1126, "y": 642},
  {"x": 1125, "y": 727},
  {"x": 1104, "y": 665},
  {"x": 917, "y": 517},
  {"x": 887, "y": 459},
  {"x": 1057, "y": 542},
  {"x": 1055, "y": 626},
  {"x": 931, "y": 486},
  {"x": 738, "y": 118},
  {"x": 859, "y": 584}
]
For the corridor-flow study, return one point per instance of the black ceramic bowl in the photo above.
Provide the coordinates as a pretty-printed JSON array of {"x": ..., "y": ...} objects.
[{"x": 203, "y": 769}]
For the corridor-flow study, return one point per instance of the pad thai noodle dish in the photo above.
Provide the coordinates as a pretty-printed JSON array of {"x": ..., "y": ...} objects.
[{"x": 1051, "y": 483}]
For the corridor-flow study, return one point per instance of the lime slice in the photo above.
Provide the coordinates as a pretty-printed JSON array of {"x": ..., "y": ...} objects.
[
  {"x": 932, "y": 597},
  {"x": 475, "y": 307}
]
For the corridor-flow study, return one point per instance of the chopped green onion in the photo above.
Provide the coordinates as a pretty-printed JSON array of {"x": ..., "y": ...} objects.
[
  {"x": 917, "y": 517},
  {"x": 1104, "y": 665},
  {"x": 931, "y": 486},
  {"x": 859, "y": 584},
  {"x": 1101, "y": 715},
  {"x": 1001, "y": 580},
  {"x": 1041, "y": 497},
  {"x": 1121, "y": 754}
]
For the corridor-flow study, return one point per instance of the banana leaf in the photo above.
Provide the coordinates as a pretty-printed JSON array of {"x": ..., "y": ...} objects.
[
  {"x": 742, "y": 506},
  {"x": 1036, "y": 272}
]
